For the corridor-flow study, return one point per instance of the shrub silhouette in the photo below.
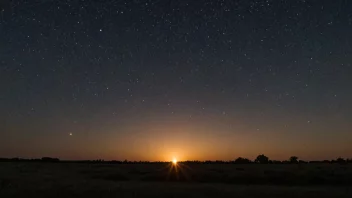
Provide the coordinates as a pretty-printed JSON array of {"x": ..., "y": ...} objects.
[
  {"x": 262, "y": 159},
  {"x": 50, "y": 159},
  {"x": 293, "y": 160},
  {"x": 341, "y": 160},
  {"x": 241, "y": 160}
]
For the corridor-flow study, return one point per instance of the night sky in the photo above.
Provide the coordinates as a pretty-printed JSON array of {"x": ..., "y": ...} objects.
[{"x": 195, "y": 80}]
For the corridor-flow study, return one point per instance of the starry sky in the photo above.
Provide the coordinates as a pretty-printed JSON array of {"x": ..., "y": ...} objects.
[{"x": 157, "y": 79}]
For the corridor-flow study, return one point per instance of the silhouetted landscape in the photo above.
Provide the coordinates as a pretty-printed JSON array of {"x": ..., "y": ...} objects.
[
  {"x": 52, "y": 177},
  {"x": 262, "y": 84}
]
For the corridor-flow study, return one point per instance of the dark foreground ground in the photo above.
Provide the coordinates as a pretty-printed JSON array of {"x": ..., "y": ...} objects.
[{"x": 29, "y": 179}]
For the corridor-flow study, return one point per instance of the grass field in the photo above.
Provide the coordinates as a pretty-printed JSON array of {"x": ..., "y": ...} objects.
[{"x": 32, "y": 179}]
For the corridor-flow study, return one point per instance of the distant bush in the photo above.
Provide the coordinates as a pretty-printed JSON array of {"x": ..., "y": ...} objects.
[
  {"x": 262, "y": 159},
  {"x": 241, "y": 160},
  {"x": 49, "y": 159},
  {"x": 339, "y": 161},
  {"x": 293, "y": 160}
]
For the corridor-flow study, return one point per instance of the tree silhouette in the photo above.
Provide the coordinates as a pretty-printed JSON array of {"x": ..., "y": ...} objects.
[
  {"x": 262, "y": 159},
  {"x": 340, "y": 160},
  {"x": 241, "y": 160},
  {"x": 293, "y": 160}
]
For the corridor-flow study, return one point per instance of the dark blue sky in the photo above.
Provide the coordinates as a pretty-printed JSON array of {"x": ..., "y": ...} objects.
[{"x": 192, "y": 79}]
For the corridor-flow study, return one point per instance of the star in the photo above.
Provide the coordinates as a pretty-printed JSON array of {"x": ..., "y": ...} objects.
[{"x": 121, "y": 68}]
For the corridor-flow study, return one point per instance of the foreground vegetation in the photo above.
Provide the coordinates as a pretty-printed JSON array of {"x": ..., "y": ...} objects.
[{"x": 164, "y": 179}]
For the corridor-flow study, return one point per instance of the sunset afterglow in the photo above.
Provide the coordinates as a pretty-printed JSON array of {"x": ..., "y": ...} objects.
[{"x": 196, "y": 80}]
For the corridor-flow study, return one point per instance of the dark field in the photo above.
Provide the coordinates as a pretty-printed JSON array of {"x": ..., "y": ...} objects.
[{"x": 32, "y": 179}]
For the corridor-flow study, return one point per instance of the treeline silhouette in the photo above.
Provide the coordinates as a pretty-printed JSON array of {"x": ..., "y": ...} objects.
[{"x": 260, "y": 159}]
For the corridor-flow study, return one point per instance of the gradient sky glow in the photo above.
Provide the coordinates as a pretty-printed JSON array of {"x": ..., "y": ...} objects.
[{"x": 195, "y": 80}]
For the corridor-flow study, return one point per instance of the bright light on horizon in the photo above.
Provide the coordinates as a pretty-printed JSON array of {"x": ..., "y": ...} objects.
[{"x": 174, "y": 161}]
